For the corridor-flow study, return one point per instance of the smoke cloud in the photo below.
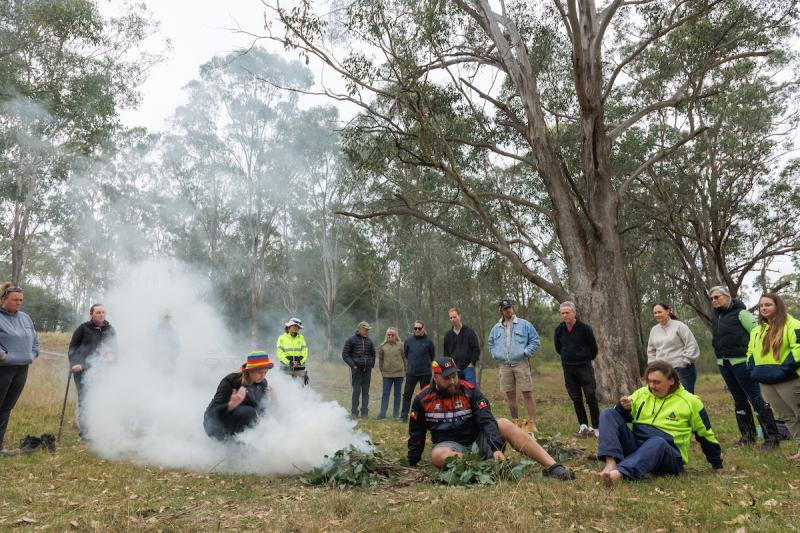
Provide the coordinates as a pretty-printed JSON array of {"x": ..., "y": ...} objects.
[{"x": 148, "y": 408}]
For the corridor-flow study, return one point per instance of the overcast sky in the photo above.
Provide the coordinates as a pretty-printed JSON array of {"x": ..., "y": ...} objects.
[{"x": 199, "y": 30}]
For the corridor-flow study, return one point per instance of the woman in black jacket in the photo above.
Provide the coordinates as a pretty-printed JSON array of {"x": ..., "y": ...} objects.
[
  {"x": 731, "y": 335},
  {"x": 420, "y": 353},
  {"x": 93, "y": 341},
  {"x": 240, "y": 398}
]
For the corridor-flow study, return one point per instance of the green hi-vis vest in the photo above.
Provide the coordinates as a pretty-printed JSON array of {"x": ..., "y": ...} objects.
[
  {"x": 292, "y": 349},
  {"x": 764, "y": 368}
]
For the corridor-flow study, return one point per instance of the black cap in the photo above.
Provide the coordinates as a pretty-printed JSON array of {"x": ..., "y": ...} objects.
[
  {"x": 444, "y": 366},
  {"x": 505, "y": 303}
]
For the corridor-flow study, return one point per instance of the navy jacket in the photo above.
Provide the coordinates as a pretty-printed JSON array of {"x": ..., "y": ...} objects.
[{"x": 420, "y": 353}]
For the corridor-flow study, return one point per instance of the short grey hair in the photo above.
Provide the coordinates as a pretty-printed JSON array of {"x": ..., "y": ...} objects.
[
  {"x": 721, "y": 289},
  {"x": 568, "y": 304}
]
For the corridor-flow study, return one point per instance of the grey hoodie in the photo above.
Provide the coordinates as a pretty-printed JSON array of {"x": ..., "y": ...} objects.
[{"x": 18, "y": 338}]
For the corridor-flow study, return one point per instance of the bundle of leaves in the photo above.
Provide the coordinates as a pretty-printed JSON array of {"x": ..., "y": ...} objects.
[
  {"x": 469, "y": 470},
  {"x": 560, "y": 451},
  {"x": 353, "y": 468}
]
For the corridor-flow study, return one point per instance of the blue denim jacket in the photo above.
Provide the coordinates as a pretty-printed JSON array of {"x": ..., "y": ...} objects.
[{"x": 524, "y": 341}]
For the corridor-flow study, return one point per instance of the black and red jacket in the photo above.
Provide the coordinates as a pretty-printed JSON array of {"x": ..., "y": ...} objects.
[{"x": 458, "y": 418}]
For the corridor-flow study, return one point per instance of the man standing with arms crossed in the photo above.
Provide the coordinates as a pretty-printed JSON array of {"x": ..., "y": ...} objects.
[
  {"x": 461, "y": 343},
  {"x": 512, "y": 342}
]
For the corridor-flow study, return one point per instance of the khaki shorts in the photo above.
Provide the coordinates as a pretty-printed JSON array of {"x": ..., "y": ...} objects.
[{"x": 516, "y": 377}]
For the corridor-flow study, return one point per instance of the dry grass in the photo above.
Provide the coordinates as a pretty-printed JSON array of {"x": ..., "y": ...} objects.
[{"x": 74, "y": 489}]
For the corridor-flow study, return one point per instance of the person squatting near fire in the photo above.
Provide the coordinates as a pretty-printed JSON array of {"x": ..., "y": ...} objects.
[
  {"x": 664, "y": 416},
  {"x": 93, "y": 342},
  {"x": 459, "y": 416},
  {"x": 241, "y": 398},
  {"x": 292, "y": 350}
]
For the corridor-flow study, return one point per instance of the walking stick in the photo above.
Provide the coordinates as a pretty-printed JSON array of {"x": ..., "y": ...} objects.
[{"x": 64, "y": 406}]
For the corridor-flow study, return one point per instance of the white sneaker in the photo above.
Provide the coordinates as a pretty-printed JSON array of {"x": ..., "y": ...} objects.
[
  {"x": 594, "y": 433},
  {"x": 583, "y": 431}
]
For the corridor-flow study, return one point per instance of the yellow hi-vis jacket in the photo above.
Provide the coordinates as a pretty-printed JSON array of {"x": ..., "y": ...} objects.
[{"x": 292, "y": 349}]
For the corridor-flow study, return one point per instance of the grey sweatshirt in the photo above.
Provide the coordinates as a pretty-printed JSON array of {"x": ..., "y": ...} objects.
[
  {"x": 18, "y": 338},
  {"x": 673, "y": 343}
]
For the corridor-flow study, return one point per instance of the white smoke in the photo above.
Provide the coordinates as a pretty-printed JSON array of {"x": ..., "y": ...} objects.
[{"x": 138, "y": 410}]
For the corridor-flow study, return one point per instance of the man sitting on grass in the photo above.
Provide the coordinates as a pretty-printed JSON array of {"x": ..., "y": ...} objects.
[
  {"x": 458, "y": 415},
  {"x": 664, "y": 417}
]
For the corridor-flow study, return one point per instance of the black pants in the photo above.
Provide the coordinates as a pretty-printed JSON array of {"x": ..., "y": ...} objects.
[
  {"x": 580, "y": 381},
  {"x": 230, "y": 423},
  {"x": 12, "y": 381},
  {"x": 80, "y": 388},
  {"x": 408, "y": 390},
  {"x": 359, "y": 379}
]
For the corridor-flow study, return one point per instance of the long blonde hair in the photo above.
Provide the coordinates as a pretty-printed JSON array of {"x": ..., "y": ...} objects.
[
  {"x": 773, "y": 340},
  {"x": 391, "y": 330}
]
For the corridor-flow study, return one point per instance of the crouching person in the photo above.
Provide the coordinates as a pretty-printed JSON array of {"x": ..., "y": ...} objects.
[
  {"x": 240, "y": 399},
  {"x": 458, "y": 415},
  {"x": 664, "y": 416}
]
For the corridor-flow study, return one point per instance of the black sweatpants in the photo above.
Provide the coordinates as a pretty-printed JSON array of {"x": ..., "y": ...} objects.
[
  {"x": 408, "y": 391},
  {"x": 580, "y": 382},
  {"x": 12, "y": 381},
  {"x": 229, "y": 424}
]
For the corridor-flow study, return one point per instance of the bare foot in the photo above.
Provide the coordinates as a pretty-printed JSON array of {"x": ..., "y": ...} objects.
[
  {"x": 611, "y": 464},
  {"x": 609, "y": 478}
]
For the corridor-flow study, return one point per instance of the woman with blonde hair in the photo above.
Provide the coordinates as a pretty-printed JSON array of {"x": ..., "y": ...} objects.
[
  {"x": 19, "y": 346},
  {"x": 392, "y": 364},
  {"x": 773, "y": 359}
]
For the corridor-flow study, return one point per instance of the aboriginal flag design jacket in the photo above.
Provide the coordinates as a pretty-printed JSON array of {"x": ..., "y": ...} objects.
[{"x": 458, "y": 418}]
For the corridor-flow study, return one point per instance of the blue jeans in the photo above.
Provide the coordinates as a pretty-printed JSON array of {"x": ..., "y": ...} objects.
[
  {"x": 635, "y": 457},
  {"x": 468, "y": 374},
  {"x": 688, "y": 377},
  {"x": 388, "y": 384},
  {"x": 742, "y": 387}
]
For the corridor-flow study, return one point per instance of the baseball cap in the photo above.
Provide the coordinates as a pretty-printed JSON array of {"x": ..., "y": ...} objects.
[
  {"x": 505, "y": 303},
  {"x": 363, "y": 324},
  {"x": 444, "y": 366}
]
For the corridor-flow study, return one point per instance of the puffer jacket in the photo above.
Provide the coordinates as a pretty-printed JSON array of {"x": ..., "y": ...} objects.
[{"x": 359, "y": 352}]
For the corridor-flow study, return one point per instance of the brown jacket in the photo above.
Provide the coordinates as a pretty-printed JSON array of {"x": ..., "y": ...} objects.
[{"x": 392, "y": 360}]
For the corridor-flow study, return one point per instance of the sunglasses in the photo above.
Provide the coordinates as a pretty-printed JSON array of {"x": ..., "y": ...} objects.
[
  {"x": 716, "y": 297},
  {"x": 9, "y": 290},
  {"x": 415, "y": 327}
]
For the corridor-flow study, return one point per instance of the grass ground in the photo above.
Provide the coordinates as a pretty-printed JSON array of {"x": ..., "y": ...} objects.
[{"x": 74, "y": 489}]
